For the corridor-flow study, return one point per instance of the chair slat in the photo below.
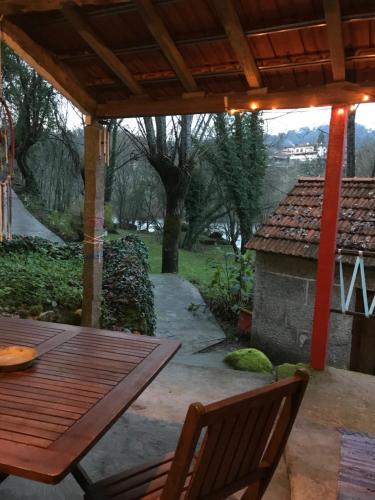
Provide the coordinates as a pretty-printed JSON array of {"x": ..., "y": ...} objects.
[
  {"x": 210, "y": 445},
  {"x": 214, "y": 466},
  {"x": 243, "y": 446},
  {"x": 231, "y": 452}
]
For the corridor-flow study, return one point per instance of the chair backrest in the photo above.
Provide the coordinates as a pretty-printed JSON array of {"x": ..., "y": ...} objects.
[{"x": 227, "y": 446}]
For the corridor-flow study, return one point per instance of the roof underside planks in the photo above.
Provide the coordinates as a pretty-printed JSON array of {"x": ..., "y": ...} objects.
[{"x": 121, "y": 58}]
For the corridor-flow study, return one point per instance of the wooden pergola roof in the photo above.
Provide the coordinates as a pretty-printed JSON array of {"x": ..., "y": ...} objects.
[{"x": 122, "y": 58}]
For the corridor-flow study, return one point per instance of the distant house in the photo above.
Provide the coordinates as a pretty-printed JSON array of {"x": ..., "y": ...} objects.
[
  {"x": 286, "y": 261},
  {"x": 305, "y": 152}
]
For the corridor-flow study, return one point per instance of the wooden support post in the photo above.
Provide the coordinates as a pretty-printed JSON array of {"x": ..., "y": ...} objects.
[
  {"x": 93, "y": 224},
  {"x": 328, "y": 236}
]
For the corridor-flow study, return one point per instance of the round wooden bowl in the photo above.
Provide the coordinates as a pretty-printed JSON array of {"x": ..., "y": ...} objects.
[{"x": 16, "y": 357}]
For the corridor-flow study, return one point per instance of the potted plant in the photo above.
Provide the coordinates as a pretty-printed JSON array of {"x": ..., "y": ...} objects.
[
  {"x": 243, "y": 306},
  {"x": 230, "y": 291}
]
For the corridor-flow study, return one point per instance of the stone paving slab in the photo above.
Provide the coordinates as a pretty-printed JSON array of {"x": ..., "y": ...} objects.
[{"x": 195, "y": 330}]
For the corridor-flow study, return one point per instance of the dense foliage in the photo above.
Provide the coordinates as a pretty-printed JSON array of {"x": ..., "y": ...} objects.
[
  {"x": 239, "y": 157},
  {"x": 43, "y": 280},
  {"x": 127, "y": 290},
  {"x": 39, "y": 277}
]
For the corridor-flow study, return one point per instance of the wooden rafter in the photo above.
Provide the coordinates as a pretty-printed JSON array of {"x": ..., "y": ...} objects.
[
  {"x": 325, "y": 95},
  {"x": 13, "y": 7},
  {"x": 166, "y": 44},
  {"x": 86, "y": 32},
  {"x": 235, "y": 33},
  {"x": 56, "y": 73},
  {"x": 335, "y": 38}
]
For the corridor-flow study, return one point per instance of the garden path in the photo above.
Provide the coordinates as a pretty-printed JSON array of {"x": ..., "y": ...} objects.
[
  {"x": 25, "y": 224},
  {"x": 197, "y": 331}
]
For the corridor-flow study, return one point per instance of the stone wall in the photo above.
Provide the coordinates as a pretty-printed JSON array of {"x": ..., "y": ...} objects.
[{"x": 284, "y": 296}]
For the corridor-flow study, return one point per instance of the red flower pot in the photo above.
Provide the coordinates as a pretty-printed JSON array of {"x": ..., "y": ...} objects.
[{"x": 244, "y": 321}]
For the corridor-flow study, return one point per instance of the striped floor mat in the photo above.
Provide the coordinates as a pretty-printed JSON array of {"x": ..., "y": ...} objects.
[{"x": 357, "y": 468}]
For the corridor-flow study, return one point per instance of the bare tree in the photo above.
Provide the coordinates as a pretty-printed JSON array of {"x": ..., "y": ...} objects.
[{"x": 171, "y": 148}]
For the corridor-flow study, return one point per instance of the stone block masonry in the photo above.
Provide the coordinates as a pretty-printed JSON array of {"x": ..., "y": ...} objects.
[{"x": 284, "y": 296}]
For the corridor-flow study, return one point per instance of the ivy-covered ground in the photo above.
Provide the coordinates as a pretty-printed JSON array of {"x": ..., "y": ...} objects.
[{"x": 43, "y": 280}]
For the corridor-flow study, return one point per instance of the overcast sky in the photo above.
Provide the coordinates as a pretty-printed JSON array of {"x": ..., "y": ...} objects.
[{"x": 284, "y": 120}]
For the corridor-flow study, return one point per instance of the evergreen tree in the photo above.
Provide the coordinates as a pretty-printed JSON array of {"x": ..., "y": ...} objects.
[{"x": 240, "y": 162}]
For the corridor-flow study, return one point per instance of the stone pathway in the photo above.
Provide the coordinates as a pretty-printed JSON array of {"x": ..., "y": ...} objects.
[
  {"x": 25, "y": 224},
  {"x": 196, "y": 330}
]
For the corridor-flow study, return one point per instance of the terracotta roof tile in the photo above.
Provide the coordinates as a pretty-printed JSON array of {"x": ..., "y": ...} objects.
[{"x": 294, "y": 226}]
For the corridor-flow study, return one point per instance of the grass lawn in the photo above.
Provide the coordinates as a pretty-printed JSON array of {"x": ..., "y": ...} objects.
[{"x": 193, "y": 266}]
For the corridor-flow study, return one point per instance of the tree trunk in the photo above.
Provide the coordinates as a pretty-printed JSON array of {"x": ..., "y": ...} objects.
[
  {"x": 31, "y": 185},
  {"x": 245, "y": 236},
  {"x": 171, "y": 233},
  {"x": 350, "y": 148}
]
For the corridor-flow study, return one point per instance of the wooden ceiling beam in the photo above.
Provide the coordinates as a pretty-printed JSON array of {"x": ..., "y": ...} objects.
[
  {"x": 325, "y": 95},
  {"x": 237, "y": 38},
  {"x": 8, "y": 7},
  {"x": 106, "y": 55},
  {"x": 166, "y": 44},
  {"x": 332, "y": 13},
  {"x": 56, "y": 73}
]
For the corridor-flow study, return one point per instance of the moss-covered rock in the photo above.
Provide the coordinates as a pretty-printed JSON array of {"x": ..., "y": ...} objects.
[
  {"x": 288, "y": 369},
  {"x": 250, "y": 360}
]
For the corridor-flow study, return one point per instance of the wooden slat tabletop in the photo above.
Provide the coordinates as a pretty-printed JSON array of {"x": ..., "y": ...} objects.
[{"x": 52, "y": 413}]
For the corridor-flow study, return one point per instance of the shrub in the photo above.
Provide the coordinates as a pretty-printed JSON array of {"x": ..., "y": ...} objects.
[
  {"x": 250, "y": 360},
  {"x": 231, "y": 285},
  {"x": 35, "y": 282},
  {"x": 38, "y": 276},
  {"x": 110, "y": 226},
  {"x": 127, "y": 290},
  {"x": 68, "y": 225}
]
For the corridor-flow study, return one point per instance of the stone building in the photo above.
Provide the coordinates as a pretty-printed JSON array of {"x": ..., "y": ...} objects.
[{"x": 286, "y": 262}]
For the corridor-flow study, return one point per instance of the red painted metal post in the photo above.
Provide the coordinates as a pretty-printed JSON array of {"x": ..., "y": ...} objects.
[{"x": 328, "y": 236}]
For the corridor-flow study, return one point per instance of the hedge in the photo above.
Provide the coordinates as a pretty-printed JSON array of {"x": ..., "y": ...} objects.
[{"x": 38, "y": 276}]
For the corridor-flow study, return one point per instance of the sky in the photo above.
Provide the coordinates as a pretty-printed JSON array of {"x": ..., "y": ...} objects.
[{"x": 283, "y": 120}]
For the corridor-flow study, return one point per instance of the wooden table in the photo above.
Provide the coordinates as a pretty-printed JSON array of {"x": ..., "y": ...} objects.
[{"x": 52, "y": 413}]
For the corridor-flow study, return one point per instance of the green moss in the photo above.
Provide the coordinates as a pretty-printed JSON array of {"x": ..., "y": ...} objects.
[
  {"x": 288, "y": 369},
  {"x": 250, "y": 360}
]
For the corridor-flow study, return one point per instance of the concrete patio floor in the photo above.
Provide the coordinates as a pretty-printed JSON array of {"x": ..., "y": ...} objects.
[
  {"x": 150, "y": 428},
  {"x": 309, "y": 469}
]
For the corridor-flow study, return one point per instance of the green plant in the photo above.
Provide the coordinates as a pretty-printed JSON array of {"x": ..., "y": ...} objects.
[
  {"x": 128, "y": 300},
  {"x": 37, "y": 276},
  {"x": 108, "y": 219},
  {"x": 68, "y": 225},
  {"x": 232, "y": 283}
]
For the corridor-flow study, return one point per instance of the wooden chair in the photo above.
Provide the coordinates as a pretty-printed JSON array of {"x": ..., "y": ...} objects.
[{"x": 224, "y": 447}]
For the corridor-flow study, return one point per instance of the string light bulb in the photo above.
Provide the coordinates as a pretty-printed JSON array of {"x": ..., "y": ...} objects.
[
  {"x": 253, "y": 106},
  {"x": 365, "y": 98},
  {"x": 232, "y": 111},
  {"x": 353, "y": 107},
  {"x": 340, "y": 111}
]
